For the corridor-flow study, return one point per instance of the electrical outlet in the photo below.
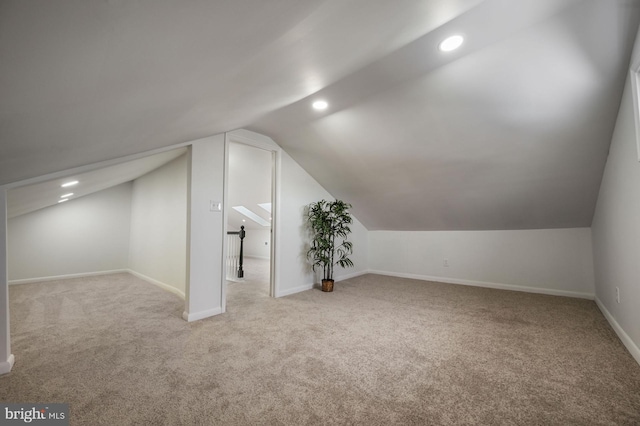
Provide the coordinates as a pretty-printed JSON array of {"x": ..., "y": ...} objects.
[
  {"x": 445, "y": 263},
  {"x": 618, "y": 294}
]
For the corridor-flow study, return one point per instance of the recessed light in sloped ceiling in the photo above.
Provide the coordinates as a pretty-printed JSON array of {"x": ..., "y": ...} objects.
[
  {"x": 251, "y": 215},
  {"x": 320, "y": 105},
  {"x": 451, "y": 43}
]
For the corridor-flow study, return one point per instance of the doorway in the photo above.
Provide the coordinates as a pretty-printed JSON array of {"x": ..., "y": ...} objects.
[{"x": 250, "y": 218}]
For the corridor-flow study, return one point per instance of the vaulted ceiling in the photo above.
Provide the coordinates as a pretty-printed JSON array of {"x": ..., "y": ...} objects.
[{"x": 510, "y": 131}]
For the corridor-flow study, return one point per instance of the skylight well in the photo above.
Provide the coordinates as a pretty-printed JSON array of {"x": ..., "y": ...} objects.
[
  {"x": 265, "y": 206},
  {"x": 251, "y": 215}
]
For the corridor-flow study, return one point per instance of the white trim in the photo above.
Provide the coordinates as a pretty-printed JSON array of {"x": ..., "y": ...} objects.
[
  {"x": 499, "y": 286},
  {"x": 67, "y": 276},
  {"x": 160, "y": 284},
  {"x": 7, "y": 365},
  {"x": 294, "y": 290},
  {"x": 254, "y": 139},
  {"x": 263, "y": 142},
  {"x": 351, "y": 275},
  {"x": 201, "y": 315},
  {"x": 306, "y": 287},
  {"x": 634, "y": 74},
  {"x": 276, "y": 226},
  {"x": 187, "y": 275},
  {"x": 257, "y": 257},
  {"x": 225, "y": 228},
  {"x": 5, "y": 317},
  {"x": 631, "y": 346}
]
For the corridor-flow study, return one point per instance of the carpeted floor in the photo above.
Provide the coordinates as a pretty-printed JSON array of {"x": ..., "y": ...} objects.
[{"x": 376, "y": 351}]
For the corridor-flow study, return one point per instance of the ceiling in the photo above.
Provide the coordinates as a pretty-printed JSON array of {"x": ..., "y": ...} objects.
[
  {"x": 249, "y": 185},
  {"x": 28, "y": 198},
  {"x": 511, "y": 131}
]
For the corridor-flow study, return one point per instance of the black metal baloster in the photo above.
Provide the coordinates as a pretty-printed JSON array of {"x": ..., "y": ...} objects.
[{"x": 241, "y": 234}]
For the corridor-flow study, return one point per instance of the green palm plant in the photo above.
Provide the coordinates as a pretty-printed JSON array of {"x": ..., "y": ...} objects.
[{"x": 329, "y": 224}]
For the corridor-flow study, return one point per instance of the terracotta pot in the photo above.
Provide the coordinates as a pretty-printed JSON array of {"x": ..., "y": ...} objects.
[{"x": 327, "y": 285}]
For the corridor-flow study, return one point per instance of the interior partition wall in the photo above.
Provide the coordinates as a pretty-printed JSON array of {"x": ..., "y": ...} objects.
[{"x": 6, "y": 358}]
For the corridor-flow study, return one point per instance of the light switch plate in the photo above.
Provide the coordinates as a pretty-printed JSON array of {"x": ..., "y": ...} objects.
[{"x": 215, "y": 206}]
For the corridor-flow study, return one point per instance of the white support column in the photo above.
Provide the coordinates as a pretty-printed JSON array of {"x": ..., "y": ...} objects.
[
  {"x": 205, "y": 233},
  {"x": 6, "y": 358}
]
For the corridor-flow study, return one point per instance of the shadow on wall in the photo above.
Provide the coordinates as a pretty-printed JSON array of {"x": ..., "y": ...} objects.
[{"x": 305, "y": 232}]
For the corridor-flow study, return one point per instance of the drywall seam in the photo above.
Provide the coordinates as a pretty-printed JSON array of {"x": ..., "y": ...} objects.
[
  {"x": 66, "y": 276},
  {"x": 498, "y": 286},
  {"x": 160, "y": 284},
  {"x": 633, "y": 349}
]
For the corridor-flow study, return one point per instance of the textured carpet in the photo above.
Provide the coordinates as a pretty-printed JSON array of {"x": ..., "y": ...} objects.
[{"x": 376, "y": 351}]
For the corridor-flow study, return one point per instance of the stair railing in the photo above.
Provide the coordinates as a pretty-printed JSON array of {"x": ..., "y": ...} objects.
[{"x": 235, "y": 253}]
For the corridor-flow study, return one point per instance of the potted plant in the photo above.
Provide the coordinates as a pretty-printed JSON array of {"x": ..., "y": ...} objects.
[{"x": 329, "y": 224}]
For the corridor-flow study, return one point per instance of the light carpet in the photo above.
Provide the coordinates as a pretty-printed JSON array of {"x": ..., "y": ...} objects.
[{"x": 376, "y": 351}]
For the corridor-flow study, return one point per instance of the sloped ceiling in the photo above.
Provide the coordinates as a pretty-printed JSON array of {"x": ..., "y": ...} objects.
[
  {"x": 249, "y": 185},
  {"x": 29, "y": 198},
  {"x": 511, "y": 131}
]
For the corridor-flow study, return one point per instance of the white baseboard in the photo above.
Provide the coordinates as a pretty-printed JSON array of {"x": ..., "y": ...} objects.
[
  {"x": 257, "y": 257},
  {"x": 189, "y": 317},
  {"x": 294, "y": 290},
  {"x": 306, "y": 287},
  {"x": 67, "y": 276},
  {"x": 7, "y": 365},
  {"x": 351, "y": 275},
  {"x": 499, "y": 286},
  {"x": 631, "y": 346},
  {"x": 160, "y": 284}
]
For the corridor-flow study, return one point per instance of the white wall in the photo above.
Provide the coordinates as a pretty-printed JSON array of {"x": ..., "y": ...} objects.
[
  {"x": 158, "y": 238},
  {"x": 298, "y": 189},
  {"x": 6, "y": 357},
  {"x": 616, "y": 228},
  {"x": 205, "y": 228},
  {"x": 257, "y": 243},
  {"x": 89, "y": 234},
  {"x": 552, "y": 261}
]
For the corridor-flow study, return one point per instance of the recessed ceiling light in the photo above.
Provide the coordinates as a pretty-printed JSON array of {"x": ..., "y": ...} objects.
[
  {"x": 66, "y": 195},
  {"x": 63, "y": 200},
  {"x": 68, "y": 184},
  {"x": 451, "y": 43},
  {"x": 320, "y": 105}
]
